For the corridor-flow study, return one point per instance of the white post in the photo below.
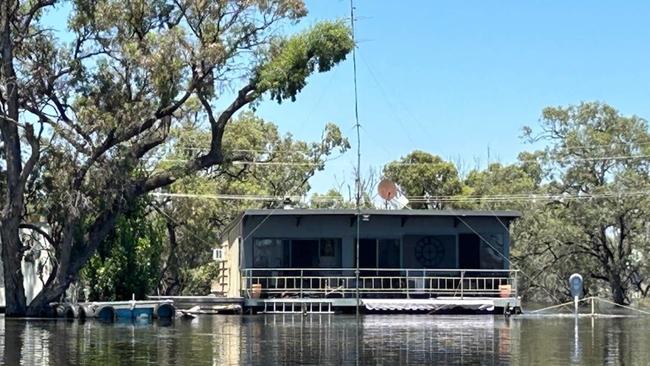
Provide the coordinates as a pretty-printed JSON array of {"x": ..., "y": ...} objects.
[
  {"x": 462, "y": 286},
  {"x": 575, "y": 304}
]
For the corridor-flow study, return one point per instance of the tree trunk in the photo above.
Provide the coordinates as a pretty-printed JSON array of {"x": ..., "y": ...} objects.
[
  {"x": 618, "y": 292},
  {"x": 169, "y": 282},
  {"x": 40, "y": 306},
  {"x": 12, "y": 255}
]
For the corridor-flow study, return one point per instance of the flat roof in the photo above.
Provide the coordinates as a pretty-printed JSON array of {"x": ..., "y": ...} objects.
[{"x": 343, "y": 212}]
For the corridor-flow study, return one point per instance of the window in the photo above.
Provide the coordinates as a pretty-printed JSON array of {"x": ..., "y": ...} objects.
[
  {"x": 379, "y": 253},
  {"x": 492, "y": 252},
  {"x": 330, "y": 253},
  {"x": 304, "y": 253},
  {"x": 271, "y": 253},
  {"x": 297, "y": 253},
  {"x": 388, "y": 253}
]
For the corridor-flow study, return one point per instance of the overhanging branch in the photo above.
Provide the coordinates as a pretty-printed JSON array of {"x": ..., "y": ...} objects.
[{"x": 215, "y": 155}]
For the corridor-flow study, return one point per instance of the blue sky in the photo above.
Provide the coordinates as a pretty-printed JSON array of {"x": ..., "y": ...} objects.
[{"x": 454, "y": 77}]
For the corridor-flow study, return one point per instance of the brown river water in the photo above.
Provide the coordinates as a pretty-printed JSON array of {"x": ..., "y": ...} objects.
[{"x": 330, "y": 340}]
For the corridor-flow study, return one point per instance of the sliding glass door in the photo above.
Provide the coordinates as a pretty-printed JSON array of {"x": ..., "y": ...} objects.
[{"x": 379, "y": 254}]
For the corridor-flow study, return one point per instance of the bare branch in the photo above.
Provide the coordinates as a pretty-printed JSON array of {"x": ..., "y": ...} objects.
[{"x": 40, "y": 231}]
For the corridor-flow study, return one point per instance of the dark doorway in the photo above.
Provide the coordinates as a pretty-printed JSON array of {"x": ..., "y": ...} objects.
[
  {"x": 304, "y": 253},
  {"x": 368, "y": 253},
  {"x": 469, "y": 251}
]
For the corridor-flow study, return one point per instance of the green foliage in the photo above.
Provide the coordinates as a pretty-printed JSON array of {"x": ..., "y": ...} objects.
[
  {"x": 199, "y": 279},
  {"x": 421, "y": 175},
  {"x": 128, "y": 261},
  {"x": 483, "y": 188},
  {"x": 594, "y": 152},
  {"x": 583, "y": 198},
  {"x": 330, "y": 199},
  {"x": 194, "y": 223},
  {"x": 292, "y": 60},
  {"x": 110, "y": 100}
]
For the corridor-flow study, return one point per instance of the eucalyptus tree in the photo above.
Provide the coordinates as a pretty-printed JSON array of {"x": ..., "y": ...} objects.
[
  {"x": 422, "y": 175},
  {"x": 88, "y": 115},
  {"x": 597, "y": 173},
  {"x": 198, "y": 207}
]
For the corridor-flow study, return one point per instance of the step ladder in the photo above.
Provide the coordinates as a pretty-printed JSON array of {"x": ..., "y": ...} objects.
[{"x": 297, "y": 306}]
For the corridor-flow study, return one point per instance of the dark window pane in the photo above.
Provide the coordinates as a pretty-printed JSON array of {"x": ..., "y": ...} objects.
[
  {"x": 368, "y": 253},
  {"x": 389, "y": 253},
  {"x": 304, "y": 253},
  {"x": 492, "y": 251},
  {"x": 330, "y": 253},
  {"x": 269, "y": 253},
  {"x": 469, "y": 256}
]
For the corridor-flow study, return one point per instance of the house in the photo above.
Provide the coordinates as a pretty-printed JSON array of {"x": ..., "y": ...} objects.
[{"x": 287, "y": 259}]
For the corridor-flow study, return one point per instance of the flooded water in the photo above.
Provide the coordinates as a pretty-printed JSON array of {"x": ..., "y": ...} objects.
[{"x": 330, "y": 340}]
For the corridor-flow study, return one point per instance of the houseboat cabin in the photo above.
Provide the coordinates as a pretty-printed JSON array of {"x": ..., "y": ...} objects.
[{"x": 294, "y": 259}]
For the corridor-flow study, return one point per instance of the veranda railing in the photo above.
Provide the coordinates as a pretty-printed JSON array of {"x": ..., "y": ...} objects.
[{"x": 373, "y": 282}]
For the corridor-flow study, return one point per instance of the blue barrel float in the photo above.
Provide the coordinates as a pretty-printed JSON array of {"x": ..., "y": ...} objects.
[{"x": 118, "y": 310}]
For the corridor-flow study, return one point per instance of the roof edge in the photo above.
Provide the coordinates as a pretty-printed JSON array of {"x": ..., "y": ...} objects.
[{"x": 422, "y": 213}]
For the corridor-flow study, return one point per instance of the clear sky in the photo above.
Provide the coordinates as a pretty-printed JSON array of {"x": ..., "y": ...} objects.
[{"x": 454, "y": 77}]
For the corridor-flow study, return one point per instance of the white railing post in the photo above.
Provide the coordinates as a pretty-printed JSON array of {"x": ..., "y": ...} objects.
[
  {"x": 462, "y": 285},
  {"x": 424, "y": 282},
  {"x": 408, "y": 295},
  {"x": 301, "y": 283},
  {"x": 442, "y": 281}
]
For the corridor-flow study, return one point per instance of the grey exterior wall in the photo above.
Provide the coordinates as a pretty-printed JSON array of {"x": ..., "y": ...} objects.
[{"x": 387, "y": 227}]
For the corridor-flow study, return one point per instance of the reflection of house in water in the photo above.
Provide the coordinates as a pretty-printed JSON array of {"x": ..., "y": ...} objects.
[
  {"x": 440, "y": 340},
  {"x": 289, "y": 260},
  {"x": 391, "y": 340}
]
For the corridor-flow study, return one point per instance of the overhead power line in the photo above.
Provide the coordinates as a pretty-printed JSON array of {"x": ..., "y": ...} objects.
[
  {"x": 261, "y": 163},
  {"x": 261, "y": 151},
  {"x": 568, "y": 159},
  {"x": 419, "y": 199},
  {"x": 398, "y": 163}
]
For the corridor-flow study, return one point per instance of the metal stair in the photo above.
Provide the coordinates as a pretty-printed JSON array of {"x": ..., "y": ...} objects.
[{"x": 298, "y": 306}]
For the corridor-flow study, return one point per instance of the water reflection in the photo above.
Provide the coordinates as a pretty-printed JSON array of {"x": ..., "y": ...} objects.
[{"x": 327, "y": 339}]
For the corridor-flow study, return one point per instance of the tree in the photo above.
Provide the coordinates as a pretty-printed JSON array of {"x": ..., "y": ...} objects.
[
  {"x": 503, "y": 186},
  {"x": 93, "y": 112},
  {"x": 128, "y": 261},
  {"x": 280, "y": 166},
  {"x": 599, "y": 178},
  {"x": 424, "y": 178},
  {"x": 331, "y": 199}
]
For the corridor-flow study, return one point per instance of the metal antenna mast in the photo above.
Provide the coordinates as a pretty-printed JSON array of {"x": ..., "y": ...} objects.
[{"x": 358, "y": 175}]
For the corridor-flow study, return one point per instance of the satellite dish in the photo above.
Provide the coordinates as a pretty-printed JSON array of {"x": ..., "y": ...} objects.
[{"x": 387, "y": 189}]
